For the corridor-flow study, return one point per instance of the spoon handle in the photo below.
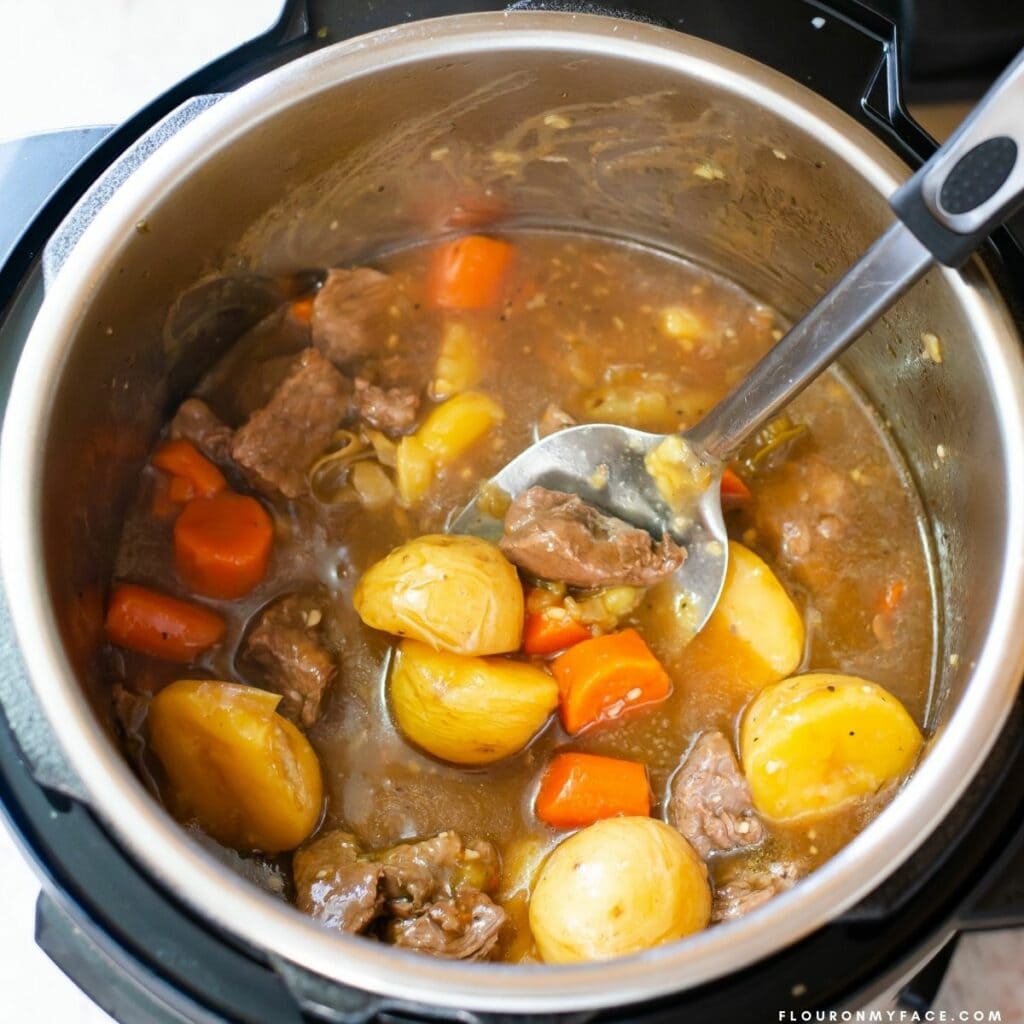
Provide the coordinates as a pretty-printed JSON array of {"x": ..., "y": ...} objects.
[{"x": 946, "y": 210}]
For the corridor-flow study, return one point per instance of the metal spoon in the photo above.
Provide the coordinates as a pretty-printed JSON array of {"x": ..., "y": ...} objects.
[{"x": 946, "y": 210}]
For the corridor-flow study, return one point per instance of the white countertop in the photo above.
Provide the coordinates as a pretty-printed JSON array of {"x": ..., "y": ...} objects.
[{"x": 82, "y": 62}]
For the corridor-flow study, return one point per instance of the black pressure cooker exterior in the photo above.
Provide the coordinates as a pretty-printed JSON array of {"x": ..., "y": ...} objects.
[{"x": 143, "y": 956}]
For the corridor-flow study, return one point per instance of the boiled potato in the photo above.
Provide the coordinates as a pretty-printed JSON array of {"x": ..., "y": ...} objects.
[
  {"x": 468, "y": 710},
  {"x": 243, "y": 773},
  {"x": 458, "y": 362},
  {"x": 446, "y": 434},
  {"x": 756, "y": 611},
  {"x": 455, "y": 593},
  {"x": 814, "y": 742},
  {"x": 617, "y": 887}
]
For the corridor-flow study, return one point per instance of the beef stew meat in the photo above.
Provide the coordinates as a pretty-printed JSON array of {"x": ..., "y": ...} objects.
[
  {"x": 431, "y": 895},
  {"x": 558, "y": 536},
  {"x": 710, "y": 801},
  {"x": 275, "y": 447},
  {"x": 286, "y": 644},
  {"x": 377, "y": 690},
  {"x": 348, "y": 312}
]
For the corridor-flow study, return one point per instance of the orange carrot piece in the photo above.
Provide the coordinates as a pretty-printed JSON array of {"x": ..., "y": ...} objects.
[
  {"x": 579, "y": 789},
  {"x": 222, "y": 544},
  {"x": 180, "y": 491},
  {"x": 302, "y": 310},
  {"x": 600, "y": 679},
  {"x": 469, "y": 273},
  {"x": 183, "y": 459},
  {"x": 734, "y": 490},
  {"x": 146, "y": 620},
  {"x": 551, "y": 630}
]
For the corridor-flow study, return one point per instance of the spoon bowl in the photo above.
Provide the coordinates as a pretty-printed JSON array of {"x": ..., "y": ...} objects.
[{"x": 604, "y": 465}]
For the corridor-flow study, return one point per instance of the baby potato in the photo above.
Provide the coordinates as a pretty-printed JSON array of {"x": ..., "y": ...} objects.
[
  {"x": 755, "y": 623},
  {"x": 811, "y": 743},
  {"x": 457, "y": 594},
  {"x": 468, "y": 710},
  {"x": 617, "y": 887},
  {"x": 236, "y": 767}
]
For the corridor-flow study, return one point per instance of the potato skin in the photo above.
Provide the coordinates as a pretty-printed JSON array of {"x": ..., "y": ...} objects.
[
  {"x": 234, "y": 766},
  {"x": 457, "y": 594},
  {"x": 617, "y": 887},
  {"x": 814, "y": 742},
  {"x": 468, "y": 710}
]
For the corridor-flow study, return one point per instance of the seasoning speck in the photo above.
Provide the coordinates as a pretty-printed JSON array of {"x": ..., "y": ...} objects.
[{"x": 142, "y": 227}]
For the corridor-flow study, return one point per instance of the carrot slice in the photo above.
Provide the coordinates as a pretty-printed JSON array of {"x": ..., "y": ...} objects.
[
  {"x": 599, "y": 679},
  {"x": 734, "y": 490},
  {"x": 302, "y": 310},
  {"x": 146, "y": 620},
  {"x": 180, "y": 491},
  {"x": 469, "y": 273},
  {"x": 551, "y": 630},
  {"x": 182, "y": 459},
  {"x": 579, "y": 789},
  {"x": 222, "y": 544}
]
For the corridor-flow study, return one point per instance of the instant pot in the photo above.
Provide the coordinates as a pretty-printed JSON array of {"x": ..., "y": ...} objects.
[{"x": 153, "y": 243}]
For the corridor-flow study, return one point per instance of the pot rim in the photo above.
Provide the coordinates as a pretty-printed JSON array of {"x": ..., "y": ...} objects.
[{"x": 220, "y": 896}]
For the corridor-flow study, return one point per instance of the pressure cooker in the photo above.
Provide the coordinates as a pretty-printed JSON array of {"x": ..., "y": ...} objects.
[{"x": 148, "y": 259}]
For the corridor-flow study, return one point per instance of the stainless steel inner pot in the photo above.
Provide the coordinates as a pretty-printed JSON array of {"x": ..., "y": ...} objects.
[{"x": 546, "y": 120}]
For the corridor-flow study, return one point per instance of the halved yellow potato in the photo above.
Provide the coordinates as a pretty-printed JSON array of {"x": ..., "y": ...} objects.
[
  {"x": 617, "y": 887},
  {"x": 755, "y": 635},
  {"x": 756, "y": 611},
  {"x": 455, "y": 593},
  {"x": 814, "y": 742},
  {"x": 243, "y": 773},
  {"x": 468, "y": 710}
]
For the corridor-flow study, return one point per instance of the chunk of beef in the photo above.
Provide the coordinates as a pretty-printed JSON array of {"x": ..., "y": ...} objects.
[
  {"x": 392, "y": 410},
  {"x": 558, "y": 536},
  {"x": 431, "y": 895},
  {"x": 463, "y": 927},
  {"x": 335, "y": 886},
  {"x": 710, "y": 802},
  {"x": 279, "y": 442},
  {"x": 286, "y": 644},
  {"x": 348, "y": 314},
  {"x": 553, "y": 419},
  {"x": 195, "y": 421},
  {"x": 752, "y": 888}
]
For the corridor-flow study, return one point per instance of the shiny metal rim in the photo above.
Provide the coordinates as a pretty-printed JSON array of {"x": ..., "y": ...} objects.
[{"x": 216, "y": 894}]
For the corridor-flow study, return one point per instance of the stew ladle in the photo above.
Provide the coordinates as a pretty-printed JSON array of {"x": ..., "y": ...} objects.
[{"x": 944, "y": 212}]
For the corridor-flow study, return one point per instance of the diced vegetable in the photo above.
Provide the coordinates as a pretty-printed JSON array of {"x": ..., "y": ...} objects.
[
  {"x": 682, "y": 324},
  {"x": 680, "y": 475},
  {"x": 814, "y": 742},
  {"x": 469, "y": 273},
  {"x": 468, "y": 710},
  {"x": 620, "y": 886},
  {"x": 192, "y": 474},
  {"x": 552, "y": 630},
  {"x": 238, "y": 769},
  {"x": 579, "y": 789},
  {"x": 602, "y": 678},
  {"x": 456, "y": 425},
  {"x": 372, "y": 484},
  {"x": 145, "y": 620},
  {"x": 447, "y": 433},
  {"x": 457, "y": 594},
  {"x": 414, "y": 469},
  {"x": 458, "y": 363},
  {"x": 734, "y": 491},
  {"x": 222, "y": 544}
]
